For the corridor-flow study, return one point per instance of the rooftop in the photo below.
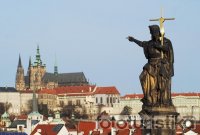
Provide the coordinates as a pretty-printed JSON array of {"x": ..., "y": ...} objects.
[
  {"x": 48, "y": 129},
  {"x": 86, "y": 126},
  {"x": 129, "y": 96},
  {"x": 80, "y": 90},
  {"x": 7, "y": 89}
]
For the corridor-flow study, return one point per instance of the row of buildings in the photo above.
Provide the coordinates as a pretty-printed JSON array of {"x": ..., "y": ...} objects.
[
  {"x": 92, "y": 99},
  {"x": 36, "y": 124}
]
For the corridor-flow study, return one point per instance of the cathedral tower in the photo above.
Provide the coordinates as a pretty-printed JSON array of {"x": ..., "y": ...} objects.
[
  {"x": 19, "y": 82},
  {"x": 36, "y": 72}
]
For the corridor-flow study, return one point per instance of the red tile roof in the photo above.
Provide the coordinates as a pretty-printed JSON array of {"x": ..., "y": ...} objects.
[
  {"x": 185, "y": 94},
  {"x": 69, "y": 90},
  {"x": 46, "y": 91},
  {"x": 46, "y": 129},
  {"x": 138, "y": 131},
  {"x": 22, "y": 117},
  {"x": 80, "y": 90},
  {"x": 133, "y": 96},
  {"x": 86, "y": 126},
  {"x": 95, "y": 133},
  {"x": 123, "y": 132},
  {"x": 173, "y": 95},
  {"x": 179, "y": 130},
  {"x": 106, "y": 90},
  {"x": 28, "y": 91}
]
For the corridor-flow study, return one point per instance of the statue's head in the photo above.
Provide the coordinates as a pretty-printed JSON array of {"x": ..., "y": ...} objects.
[{"x": 155, "y": 31}]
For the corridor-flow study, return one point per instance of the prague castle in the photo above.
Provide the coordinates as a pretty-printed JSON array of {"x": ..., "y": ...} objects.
[{"x": 37, "y": 77}]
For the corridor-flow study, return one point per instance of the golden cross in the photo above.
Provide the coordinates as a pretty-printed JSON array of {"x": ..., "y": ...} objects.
[{"x": 161, "y": 21}]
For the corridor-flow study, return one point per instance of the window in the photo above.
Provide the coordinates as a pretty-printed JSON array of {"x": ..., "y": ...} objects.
[
  {"x": 69, "y": 102},
  {"x": 110, "y": 99},
  {"x": 61, "y": 103},
  {"x": 78, "y": 102},
  {"x": 114, "y": 100},
  {"x": 96, "y": 99},
  {"x": 101, "y": 100},
  {"x": 20, "y": 128},
  {"x": 107, "y": 100}
]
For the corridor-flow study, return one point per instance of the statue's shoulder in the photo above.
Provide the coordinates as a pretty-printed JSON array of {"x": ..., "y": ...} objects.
[
  {"x": 167, "y": 40},
  {"x": 150, "y": 42}
]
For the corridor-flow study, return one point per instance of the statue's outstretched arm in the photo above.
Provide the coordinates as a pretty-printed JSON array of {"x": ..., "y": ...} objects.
[{"x": 138, "y": 42}]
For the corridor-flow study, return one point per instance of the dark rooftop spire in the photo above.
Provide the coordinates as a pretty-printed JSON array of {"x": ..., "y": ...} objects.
[
  {"x": 55, "y": 67},
  {"x": 38, "y": 53},
  {"x": 35, "y": 105},
  {"x": 38, "y": 59},
  {"x": 19, "y": 62},
  {"x": 29, "y": 62}
]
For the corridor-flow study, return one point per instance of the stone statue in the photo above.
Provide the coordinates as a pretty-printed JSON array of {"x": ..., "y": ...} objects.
[{"x": 156, "y": 75}]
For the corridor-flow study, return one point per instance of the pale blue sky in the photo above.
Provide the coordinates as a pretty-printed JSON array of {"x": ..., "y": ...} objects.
[{"x": 90, "y": 36}]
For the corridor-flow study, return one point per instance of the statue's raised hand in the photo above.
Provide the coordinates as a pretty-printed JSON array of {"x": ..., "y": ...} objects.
[{"x": 131, "y": 39}]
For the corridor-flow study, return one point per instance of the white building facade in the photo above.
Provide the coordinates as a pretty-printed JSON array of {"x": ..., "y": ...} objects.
[
  {"x": 17, "y": 102},
  {"x": 187, "y": 104}
]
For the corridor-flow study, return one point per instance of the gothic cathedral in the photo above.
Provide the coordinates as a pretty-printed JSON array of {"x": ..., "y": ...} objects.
[{"x": 37, "y": 77}]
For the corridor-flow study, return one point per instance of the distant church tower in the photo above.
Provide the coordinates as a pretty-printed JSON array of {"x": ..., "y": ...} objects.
[
  {"x": 35, "y": 72},
  {"x": 19, "y": 81},
  {"x": 33, "y": 116}
]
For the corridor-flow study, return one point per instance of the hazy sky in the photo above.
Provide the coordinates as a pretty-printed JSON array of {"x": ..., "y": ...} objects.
[{"x": 90, "y": 36}]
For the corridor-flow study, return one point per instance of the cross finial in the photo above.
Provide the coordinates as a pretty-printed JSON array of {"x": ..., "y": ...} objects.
[
  {"x": 162, "y": 31},
  {"x": 161, "y": 21}
]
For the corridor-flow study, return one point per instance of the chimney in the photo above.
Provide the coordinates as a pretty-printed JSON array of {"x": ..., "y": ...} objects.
[{"x": 90, "y": 89}]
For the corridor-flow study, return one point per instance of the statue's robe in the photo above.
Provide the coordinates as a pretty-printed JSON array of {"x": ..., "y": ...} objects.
[{"x": 156, "y": 75}]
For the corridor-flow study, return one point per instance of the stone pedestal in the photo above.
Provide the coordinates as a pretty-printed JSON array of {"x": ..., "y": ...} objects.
[{"x": 158, "y": 120}]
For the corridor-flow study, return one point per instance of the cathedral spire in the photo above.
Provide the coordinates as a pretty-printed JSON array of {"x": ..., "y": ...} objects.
[
  {"x": 29, "y": 62},
  {"x": 19, "y": 62},
  {"x": 55, "y": 66},
  {"x": 34, "y": 102},
  {"x": 19, "y": 80},
  {"x": 38, "y": 49},
  {"x": 38, "y": 59}
]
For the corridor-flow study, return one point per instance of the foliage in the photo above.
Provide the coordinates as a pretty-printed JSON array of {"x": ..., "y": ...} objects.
[
  {"x": 69, "y": 109},
  {"x": 43, "y": 110},
  {"x": 127, "y": 110},
  {"x": 12, "y": 117},
  {"x": 4, "y": 106},
  {"x": 103, "y": 115}
]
